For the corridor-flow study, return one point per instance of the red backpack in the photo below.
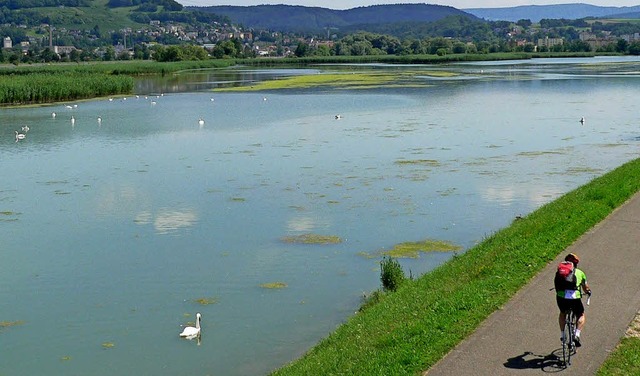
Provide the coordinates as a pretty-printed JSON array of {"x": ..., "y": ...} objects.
[
  {"x": 565, "y": 276},
  {"x": 566, "y": 270}
]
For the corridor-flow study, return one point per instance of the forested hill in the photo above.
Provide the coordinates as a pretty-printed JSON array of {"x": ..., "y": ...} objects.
[
  {"x": 27, "y": 4},
  {"x": 537, "y": 12},
  {"x": 306, "y": 19}
]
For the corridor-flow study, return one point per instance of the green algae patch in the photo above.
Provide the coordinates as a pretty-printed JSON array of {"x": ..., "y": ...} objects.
[
  {"x": 421, "y": 162},
  {"x": 413, "y": 249},
  {"x": 7, "y": 324},
  {"x": 329, "y": 80},
  {"x": 274, "y": 285},
  {"x": 539, "y": 153},
  {"x": 312, "y": 239},
  {"x": 440, "y": 74},
  {"x": 206, "y": 301}
]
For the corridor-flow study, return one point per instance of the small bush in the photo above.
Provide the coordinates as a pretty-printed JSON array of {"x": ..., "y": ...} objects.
[{"x": 391, "y": 274}]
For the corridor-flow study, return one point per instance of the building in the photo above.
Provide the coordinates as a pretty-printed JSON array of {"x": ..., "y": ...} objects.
[
  {"x": 550, "y": 42},
  {"x": 7, "y": 42},
  {"x": 63, "y": 49}
]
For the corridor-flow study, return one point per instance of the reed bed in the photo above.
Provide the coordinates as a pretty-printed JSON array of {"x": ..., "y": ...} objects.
[
  {"x": 131, "y": 68},
  {"x": 407, "y": 59},
  {"x": 39, "y": 88}
]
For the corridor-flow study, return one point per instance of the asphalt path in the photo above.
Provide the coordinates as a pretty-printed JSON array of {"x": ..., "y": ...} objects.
[{"x": 523, "y": 338}]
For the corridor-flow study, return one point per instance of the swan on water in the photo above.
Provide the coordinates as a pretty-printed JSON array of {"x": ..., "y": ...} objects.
[
  {"x": 99, "y": 119},
  {"x": 338, "y": 117},
  {"x": 25, "y": 128},
  {"x": 190, "y": 332},
  {"x": 53, "y": 114},
  {"x": 201, "y": 122},
  {"x": 19, "y": 136},
  {"x": 73, "y": 120}
]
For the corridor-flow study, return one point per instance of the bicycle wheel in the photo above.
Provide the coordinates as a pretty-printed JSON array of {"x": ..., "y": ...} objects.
[
  {"x": 571, "y": 331},
  {"x": 569, "y": 334}
]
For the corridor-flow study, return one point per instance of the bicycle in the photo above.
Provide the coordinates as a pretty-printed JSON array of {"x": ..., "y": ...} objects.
[{"x": 569, "y": 332}]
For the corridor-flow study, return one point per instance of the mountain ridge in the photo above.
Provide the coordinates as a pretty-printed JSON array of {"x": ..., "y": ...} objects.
[
  {"x": 556, "y": 11},
  {"x": 293, "y": 18}
]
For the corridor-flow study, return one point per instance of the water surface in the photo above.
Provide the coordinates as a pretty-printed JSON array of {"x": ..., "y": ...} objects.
[{"x": 111, "y": 231}]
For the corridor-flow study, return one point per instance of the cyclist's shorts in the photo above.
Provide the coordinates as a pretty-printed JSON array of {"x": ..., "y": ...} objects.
[{"x": 566, "y": 304}]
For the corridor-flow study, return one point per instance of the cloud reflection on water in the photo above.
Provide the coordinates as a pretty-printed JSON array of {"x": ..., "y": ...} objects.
[
  {"x": 536, "y": 195},
  {"x": 168, "y": 221}
]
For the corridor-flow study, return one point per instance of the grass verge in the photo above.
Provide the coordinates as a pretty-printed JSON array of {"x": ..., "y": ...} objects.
[
  {"x": 624, "y": 361},
  {"x": 408, "y": 331}
]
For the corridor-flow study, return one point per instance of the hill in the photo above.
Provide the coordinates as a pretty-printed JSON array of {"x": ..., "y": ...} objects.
[
  {"x": 290, "y": 18},
  {"x": 98, "y": 14},
  {"x": 537, "y": 12}
]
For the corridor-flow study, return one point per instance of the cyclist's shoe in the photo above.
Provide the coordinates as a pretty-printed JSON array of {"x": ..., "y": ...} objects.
[{"x": 576, "y": 340}]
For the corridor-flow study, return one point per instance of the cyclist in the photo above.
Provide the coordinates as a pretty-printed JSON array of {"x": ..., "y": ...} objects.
[{"x": 568, "y": 296}]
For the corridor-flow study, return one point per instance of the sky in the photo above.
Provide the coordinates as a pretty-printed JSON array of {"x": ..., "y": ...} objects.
[{"x": 460, "y": 4}]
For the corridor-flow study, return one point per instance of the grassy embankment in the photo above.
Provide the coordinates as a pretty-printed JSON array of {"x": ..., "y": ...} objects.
[
  {"x": 624, "y": 361},
  {"x": 408, "y": 331}
]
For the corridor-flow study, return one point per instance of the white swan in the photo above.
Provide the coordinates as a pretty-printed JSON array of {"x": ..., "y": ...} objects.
[
  {"x": 201, "y": 122},
  {"x": 190, "y": 332},
  {"x": 25, "y": 128},
  {"x": 19, "y": 136},
  {"x": 53, "y": 114},
  {"x": 338, "y": 117},
  {"x": 73, "y": 120},
  {"x": 99, "y": 120}
]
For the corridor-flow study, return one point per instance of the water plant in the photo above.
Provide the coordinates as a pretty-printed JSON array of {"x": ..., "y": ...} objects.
[
  {"x": 7, "y": 324},
  {"x": 413, "y": 249},
  {"x": 108, "y": 345},
  {"x": 206, "y": 301},
  {"x": 312, "y": 239},
  {"x": 424, "y": 162},
  {"x": 273, "y": 285}
]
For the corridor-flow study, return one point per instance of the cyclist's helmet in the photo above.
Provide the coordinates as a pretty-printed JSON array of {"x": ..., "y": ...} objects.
[{"x": 573, "y": 258}]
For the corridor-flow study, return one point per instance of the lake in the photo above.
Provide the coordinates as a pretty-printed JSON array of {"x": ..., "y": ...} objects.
[{"x": 116, "y": 232}]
